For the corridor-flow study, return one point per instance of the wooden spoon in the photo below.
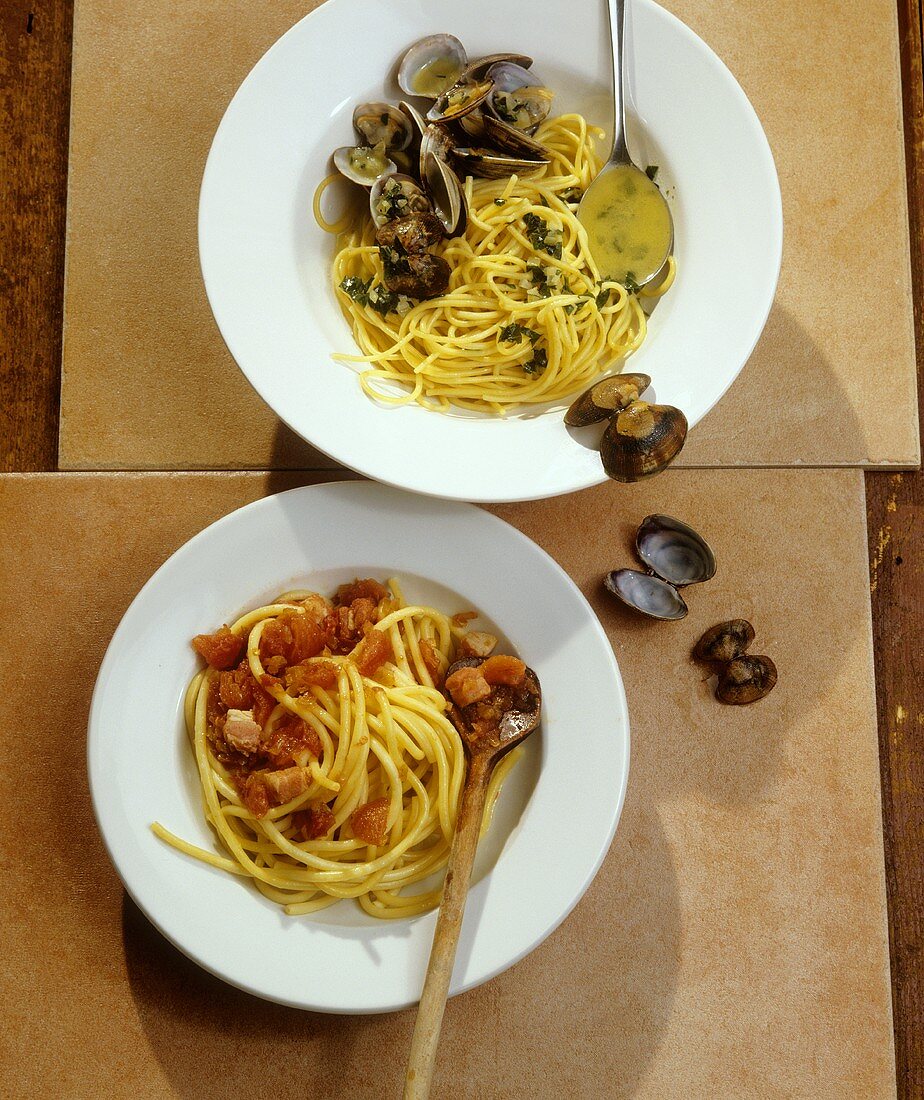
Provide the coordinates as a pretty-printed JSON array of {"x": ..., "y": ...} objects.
[{"x": 484, "y": 750}]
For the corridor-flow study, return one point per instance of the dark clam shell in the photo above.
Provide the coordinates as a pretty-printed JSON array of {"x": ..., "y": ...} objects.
[
  {"x": 604, "y": 397},
  {"x": 642, "y": 440},
  {"x": 745, "y": 680},
  {"x": 643, "y": 592},
  {"x": 724, "y": 641},
  {"x": 675, "y": 551}
]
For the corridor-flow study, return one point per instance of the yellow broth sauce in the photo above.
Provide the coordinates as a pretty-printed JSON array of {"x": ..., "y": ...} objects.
[{"x": 628, "y": 225}]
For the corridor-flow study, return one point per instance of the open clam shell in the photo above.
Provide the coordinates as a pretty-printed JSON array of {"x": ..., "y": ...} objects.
[
  {"x": 363, "y": 164},
  {"x": 645, "y": 593},
  {"x": 603, "y": 398},
  {"x": 459, "y": 100},
  {"x": 396, "y": 196},
  {"x": 675, "y": 551},
  {"x": 445, "y": 192},
  {"x": 519, "y": 97},
  {"x": 419, "y": 122},
  {"x": 642, "y": 440},
  {"x": 432, "y": 65},
  {"x": 382, "y": 123}
]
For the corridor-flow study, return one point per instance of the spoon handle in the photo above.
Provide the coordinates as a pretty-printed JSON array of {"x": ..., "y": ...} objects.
[
  {"x": 422, "y": 1058},
  {"x": 617, "y": 13}
]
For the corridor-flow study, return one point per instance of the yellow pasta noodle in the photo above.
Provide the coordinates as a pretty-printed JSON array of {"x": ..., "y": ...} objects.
[
  {"x": 468, "y": 348},
  {"x": 382, "y": 738}
]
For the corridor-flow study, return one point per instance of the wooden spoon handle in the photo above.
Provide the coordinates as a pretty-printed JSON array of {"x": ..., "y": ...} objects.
[{"x": 422, "y": 1059}]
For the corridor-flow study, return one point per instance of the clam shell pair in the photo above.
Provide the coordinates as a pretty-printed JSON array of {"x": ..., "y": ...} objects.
[
  {"x": 642, "y": 438},
  {"x": 676, "y": 556},
  {"x": 743, "y": 678}
]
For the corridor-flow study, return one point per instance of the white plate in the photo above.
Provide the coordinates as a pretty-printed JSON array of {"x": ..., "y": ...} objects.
[
  {"x": 266, "y": 263},
  {"x": 556, "y": 815}
]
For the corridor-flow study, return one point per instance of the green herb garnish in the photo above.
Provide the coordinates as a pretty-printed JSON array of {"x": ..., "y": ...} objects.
[
  {"x": 512, "y": 334},
  {"x": 630, "y": 284},
  {"x": 381, "y": 299},
  {"x": 651, "y": 171},
  {"x": 500, "y": 202},
  {"x": 573, "y": 194},
  {"x": 357, "y": 289},
  {"x": 542, "y": 236},
  {"x": 538, "y": 363}
]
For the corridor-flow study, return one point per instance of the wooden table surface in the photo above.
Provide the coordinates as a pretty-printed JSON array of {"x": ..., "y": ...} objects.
[{"x": 35, "y": 53}]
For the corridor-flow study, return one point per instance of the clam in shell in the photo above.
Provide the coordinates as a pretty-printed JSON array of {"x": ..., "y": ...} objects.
[
  {"x": 363, "y": 164},
  {"x": 745, "y": 680},
  {"x": 603, "y": 398},
  {"x": 519, "y": 98},
  {"x": 642, "y": 440},
  {"x": 383, "y": 124},
  {"x": 724, "y": 641},
  {"x": 396, "y": 196},
  {"x": 459, "y": 100}
]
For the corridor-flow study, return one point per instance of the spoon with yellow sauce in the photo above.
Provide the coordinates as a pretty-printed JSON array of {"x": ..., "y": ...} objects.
[{"x": 629, "y": 226}]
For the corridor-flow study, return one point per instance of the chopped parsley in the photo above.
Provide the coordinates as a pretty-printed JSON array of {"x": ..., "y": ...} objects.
[
  {"x": 538, "y": 363},
  {"x": 542, "y": 236},
  {"x": 512, "y": 334},
  {"x": 573, "y": 194},
  {"x": 375, "y": 296},
  {"x": 356, "y": 288},
  {"x": 500, "y": 202},
  {"x": 394, "y": 259},
  {"x": 651, "y": 172},
  {"x": 603, "y": 297}
]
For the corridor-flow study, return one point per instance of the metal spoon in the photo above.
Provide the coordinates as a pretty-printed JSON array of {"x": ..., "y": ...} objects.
[
  {"x": 620, "y": 159},
  {"x": 484, "y": 750}
]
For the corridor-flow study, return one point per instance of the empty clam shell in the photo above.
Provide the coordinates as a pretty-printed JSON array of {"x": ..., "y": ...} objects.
[
  {"x": 745, "y": 680},
  {"x": 650, "y": 595},
  {"x": 396, "y": 196},
  {"x": 363, "y": 164},
  {"x": 435, "y": 141},
  {"x": 724, "y": 641},
  {"x": 432, "y": 65},
  {"x": 603, "y": 398},
  {"x": 381, "y": 123},
  {"x": 642, "y": 440},
  {"x": 459, "y": 100},
  {"x": 675, "y": 551}
]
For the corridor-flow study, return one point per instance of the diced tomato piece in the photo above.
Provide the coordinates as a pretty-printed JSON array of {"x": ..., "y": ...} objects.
[
  {"x": 466, "y": 686},
  {"x": 374, "y": 650},
  {"x": 222, "y": 650},
  {"x": 294, "y": 636},
  {"x": 503, "y": 669},
  {"x": 370, "y": 821},
  {"x": 313, "y": 823},
  {"x": 360, "y": 589},
  {"x": 254, "y": 794},
  {"x": 363, "y": 612},
  {"x": 289, "y": 741},
  {"x": 263, "y": 703},
  {"x": 462, "y": 618},
  {"x": 311, "y": 673},
  {"x": 431, "y": 659},
  {"x": 235, "y": 687}
]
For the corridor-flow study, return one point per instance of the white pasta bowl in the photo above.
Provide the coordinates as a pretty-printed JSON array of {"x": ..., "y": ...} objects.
[
  {"x": 266, "y": 263},
  {"x": 556, "y": 814}
]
